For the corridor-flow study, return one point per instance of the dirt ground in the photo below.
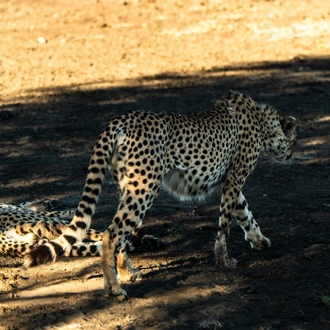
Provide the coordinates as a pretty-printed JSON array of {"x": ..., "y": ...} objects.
[{"x": 66, "y": 68}]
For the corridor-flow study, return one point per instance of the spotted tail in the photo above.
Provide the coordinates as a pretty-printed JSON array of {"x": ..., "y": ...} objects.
[{"x": 81, "y": 221}]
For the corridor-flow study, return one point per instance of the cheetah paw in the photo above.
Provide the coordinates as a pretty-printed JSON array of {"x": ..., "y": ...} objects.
[
  {"x": 221, "y": 254},
  {"x": 135, "y": 275},
  {"x": 118, "y": 293},
  {"x": 224, "y": 260},
  {"x": 262, "y": 243},
  {"x": 131, "y": 275},
  {"x": 230, "y": 263}
]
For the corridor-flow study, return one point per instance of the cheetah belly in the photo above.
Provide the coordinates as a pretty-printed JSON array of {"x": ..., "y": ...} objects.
[
  {"x": 186, "y": 186},
  {"x": 26, "y": 238}
]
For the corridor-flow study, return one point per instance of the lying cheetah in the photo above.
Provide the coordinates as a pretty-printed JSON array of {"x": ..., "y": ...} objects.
[
  {"x": 191, "y": 154},
  {"x": 33, "y": 223},
  {"x": 28, "y": 224}
]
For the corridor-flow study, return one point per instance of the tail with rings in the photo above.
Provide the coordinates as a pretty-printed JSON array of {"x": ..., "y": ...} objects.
[{"x": 101, "y": 156}]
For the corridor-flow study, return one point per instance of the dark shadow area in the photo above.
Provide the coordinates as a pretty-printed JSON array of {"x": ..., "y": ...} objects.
[
  {"x": 45, "y": 147},
  {"x": 47, "y": 143}
]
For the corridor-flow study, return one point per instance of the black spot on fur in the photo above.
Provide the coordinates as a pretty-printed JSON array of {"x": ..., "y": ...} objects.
[
  {"x": 89, "y": 200},
  {"x": 81, "y": 225},
  {"x": 79, "y": 214},
  {"x": 95, "y": 170},
  {"x": 70, "y": 239},
  {"x": 98, "y": 181},
  {"x": 88, "y": 211},
  {"x": 73, "y": 227},
  {"x": 93, "y": 249}
]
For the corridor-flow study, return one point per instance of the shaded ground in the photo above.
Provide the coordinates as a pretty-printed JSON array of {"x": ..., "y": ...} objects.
[{"x": 99, "y": 59}]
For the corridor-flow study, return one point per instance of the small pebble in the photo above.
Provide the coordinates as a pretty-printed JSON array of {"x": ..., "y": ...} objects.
[{"x": 42, "y": 40}]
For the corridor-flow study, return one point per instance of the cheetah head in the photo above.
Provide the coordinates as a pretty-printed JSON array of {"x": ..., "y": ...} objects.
[{"x": 278, "y": 134}]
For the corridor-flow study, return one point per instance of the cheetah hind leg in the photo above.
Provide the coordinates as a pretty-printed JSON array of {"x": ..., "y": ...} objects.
[
  {"x": 111, "y": 285},
  {"x": 126, "y": 272},
  {"x": 123, "y": 267}
]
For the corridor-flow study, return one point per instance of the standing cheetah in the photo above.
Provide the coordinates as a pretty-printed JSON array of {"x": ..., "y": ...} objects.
[{"x": 191, "y": 154}]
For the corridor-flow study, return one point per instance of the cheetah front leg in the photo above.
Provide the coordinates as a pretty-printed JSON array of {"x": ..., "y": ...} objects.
[
  {"x": 229, "y": 196},
  {"x": 249, "y": 225}
]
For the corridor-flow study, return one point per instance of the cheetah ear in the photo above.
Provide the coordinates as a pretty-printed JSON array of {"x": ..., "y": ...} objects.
[{"x": 288, "y": 125}]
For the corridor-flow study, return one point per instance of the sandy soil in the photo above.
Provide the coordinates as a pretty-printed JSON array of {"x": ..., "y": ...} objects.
[{"x": 66, "y": 68}]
